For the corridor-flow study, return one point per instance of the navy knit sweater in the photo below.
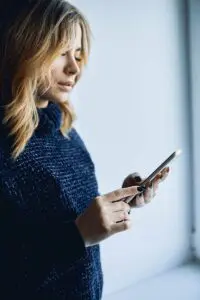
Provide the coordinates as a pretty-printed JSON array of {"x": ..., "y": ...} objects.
[{"x": 42, "y": 254}]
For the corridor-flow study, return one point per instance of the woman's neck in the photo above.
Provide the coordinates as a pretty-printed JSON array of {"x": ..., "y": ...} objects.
[{"x": 42, "y": 103}]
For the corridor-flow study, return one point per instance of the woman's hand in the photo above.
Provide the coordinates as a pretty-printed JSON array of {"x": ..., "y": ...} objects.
[
  {"x": 150, "y": 192},
  {"x": 106, "y": 215}
]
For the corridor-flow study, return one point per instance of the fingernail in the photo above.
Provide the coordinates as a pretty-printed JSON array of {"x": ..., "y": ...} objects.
[
  {"x": 138, "y": 178},
  {"x": 141, "y": 188}
]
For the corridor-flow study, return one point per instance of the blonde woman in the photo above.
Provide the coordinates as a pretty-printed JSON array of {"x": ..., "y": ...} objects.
[{"x": 52, "y": 217}]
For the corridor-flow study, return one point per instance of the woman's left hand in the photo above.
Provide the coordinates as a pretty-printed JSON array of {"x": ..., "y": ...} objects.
[{"x": 150, "y": 192}]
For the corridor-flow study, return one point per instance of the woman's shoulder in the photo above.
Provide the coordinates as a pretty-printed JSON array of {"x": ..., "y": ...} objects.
[{"x": 76, "y": 138}]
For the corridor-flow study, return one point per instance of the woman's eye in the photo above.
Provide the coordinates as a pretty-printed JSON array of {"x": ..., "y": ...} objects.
[{"x": 78, "y": 59}]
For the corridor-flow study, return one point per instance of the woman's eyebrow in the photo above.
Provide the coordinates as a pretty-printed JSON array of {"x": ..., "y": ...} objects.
[{"x": 79, "y": 49}]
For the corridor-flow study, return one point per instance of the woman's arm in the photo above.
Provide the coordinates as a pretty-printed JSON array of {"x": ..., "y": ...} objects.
[{"x": 56, "y": 241}]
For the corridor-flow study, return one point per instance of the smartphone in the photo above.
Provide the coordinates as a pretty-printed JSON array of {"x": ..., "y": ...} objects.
[{"x": 174, "y": 155}]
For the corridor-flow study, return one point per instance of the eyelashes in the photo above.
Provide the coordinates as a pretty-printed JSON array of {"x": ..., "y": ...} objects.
[{"x": 79, "y": 59}]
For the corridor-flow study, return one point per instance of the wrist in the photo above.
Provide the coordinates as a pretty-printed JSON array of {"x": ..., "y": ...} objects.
[{"x": 81, "y": 230}]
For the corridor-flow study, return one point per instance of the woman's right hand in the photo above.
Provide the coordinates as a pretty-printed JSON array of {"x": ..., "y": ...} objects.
[{"x": 106, "y": 215}]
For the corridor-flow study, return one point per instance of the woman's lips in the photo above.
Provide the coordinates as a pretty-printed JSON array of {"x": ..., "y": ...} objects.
[{"x": 64, "y": 87}]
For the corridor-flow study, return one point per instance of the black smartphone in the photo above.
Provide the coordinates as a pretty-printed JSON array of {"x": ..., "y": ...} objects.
[{"x": 164, "y": 164}]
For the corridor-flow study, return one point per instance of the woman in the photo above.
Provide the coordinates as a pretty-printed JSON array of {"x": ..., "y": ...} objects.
[{"x": 52, "y": 215}]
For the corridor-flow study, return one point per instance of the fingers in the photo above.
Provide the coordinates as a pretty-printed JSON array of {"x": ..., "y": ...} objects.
[
  {"x": 121, "y": 226},
  {"x": 121, "y": 193},
  {"x": 121, "y": 216},
  {"x": 128, "y": 194},
  {"x": 152, "y": 187},
  {"x": 139, "y": 200},
  {"x": 164, "y": 173},
  {"x": 120, "y": 211},
  {"x": 160, "y": 177},
  {"x": 120, "y": 206},
  {"x": 149, "y": 194},
  {"x": 155, "y": 184},
  {"x": 143, "y": 198},
  {"x": 146, "y": 196}
]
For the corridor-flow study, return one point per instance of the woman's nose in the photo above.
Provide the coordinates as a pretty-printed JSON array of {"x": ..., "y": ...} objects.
[{"x": 72, "y": 67}]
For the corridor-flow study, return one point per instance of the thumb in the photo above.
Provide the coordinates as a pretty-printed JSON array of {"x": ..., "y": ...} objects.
[
  {"x": 132, "y": 179},
  {"x": 122, "y": 193},
  {"x": 136, "y": 176}
]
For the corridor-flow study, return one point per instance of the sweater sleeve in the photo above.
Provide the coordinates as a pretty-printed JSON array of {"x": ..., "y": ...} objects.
[{"x": 56, "y": 241}]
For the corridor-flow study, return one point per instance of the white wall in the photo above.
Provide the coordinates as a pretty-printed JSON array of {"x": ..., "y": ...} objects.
[
  {"x": 132, "y": 106},
  {"x": 195, "y": 88}
]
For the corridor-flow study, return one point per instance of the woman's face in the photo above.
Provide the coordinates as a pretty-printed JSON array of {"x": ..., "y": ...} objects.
[{"x": 65, "y": 68}]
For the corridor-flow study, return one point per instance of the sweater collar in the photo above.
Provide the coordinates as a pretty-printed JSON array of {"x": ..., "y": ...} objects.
[{"x": 50, "y": 119}]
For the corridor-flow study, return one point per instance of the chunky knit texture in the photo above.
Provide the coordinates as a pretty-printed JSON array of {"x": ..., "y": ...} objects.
[{"x": 42, "y": 254}]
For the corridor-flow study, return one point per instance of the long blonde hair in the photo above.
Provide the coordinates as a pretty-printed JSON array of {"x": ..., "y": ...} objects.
[{"x": 30, "y": 40}]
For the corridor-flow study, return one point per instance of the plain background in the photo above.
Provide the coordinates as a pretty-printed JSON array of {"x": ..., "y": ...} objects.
[
  {"x": 133, "y": 111},
  {"x": 195, "y": 92}
]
